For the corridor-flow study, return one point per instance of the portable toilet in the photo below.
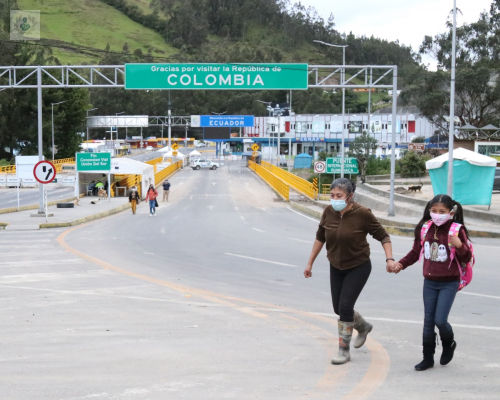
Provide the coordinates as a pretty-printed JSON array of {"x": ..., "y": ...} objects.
[
  {"x": 473, "y": 176},
  {"x": 302, "y": 161}
]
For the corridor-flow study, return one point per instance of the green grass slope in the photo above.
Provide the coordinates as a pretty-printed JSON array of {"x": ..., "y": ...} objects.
[{"x": 91, "y": 24}]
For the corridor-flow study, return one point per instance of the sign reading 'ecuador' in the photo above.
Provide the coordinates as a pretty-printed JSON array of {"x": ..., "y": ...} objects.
[{"x": 217, "y": 76}]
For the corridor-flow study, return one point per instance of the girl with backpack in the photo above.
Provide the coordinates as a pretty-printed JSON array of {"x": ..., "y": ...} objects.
[{"x": 442, "y": 238}]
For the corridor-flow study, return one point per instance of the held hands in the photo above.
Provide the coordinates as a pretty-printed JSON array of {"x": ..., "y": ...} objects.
[
  {"x": 307, "y": 271},
  {"x": 455, "y": 242},
  {"x": 394, "y": 267}
]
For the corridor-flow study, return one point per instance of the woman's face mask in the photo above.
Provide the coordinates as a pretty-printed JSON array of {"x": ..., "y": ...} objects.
[
  {"x": 338, "y": 205},
  {"x": 338, "y": 199}
]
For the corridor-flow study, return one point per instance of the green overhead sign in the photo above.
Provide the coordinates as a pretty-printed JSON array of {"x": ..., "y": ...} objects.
[
  {"x": 217, "y": 76},
  {"x": 93, "y": 162},
  {"x": 333, "y": 166}
]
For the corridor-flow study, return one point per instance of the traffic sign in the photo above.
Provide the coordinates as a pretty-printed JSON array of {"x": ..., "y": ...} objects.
[
  {"x": 93, "y": 162},
  {"x": 44, "y": 172},
  {"x": 212, "y": 76},
  {"x": 255, "y": 154},
  {"x": 255, "y": 147},
  {"x": 175, "y": 146},
  {"x": 333, "y": 166},
  {"x": 174, "y": 153},
  {"x": 319, "y": 167}
]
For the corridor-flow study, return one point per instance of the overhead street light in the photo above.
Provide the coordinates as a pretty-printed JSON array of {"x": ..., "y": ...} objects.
[
  {"x": 343, "y": 97},
  {"x": 54, "y": 104}
]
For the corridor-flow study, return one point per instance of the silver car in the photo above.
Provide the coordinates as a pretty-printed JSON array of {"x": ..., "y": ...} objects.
[{"x": 204, "y": 163}]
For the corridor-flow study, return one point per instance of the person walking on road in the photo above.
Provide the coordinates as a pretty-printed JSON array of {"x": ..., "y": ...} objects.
[
  {"x": 343, "y": 227},
  {"x": 151, "y": 195},
  {"x": 440, "y": 230},
  {"x": 134, "y": 199},
  {"x": 166, "y": 190}
]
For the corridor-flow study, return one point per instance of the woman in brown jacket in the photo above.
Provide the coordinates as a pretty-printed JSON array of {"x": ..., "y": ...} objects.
[{"x": 344, "y": 227}]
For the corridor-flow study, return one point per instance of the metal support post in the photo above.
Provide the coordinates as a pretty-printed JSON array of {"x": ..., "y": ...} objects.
[
  {"x": 451, "y": 135},
  {"x": 41, "y": 208},
  {"x": 186, "y": 142},
  {"x": 393, "y": 153},
  {"x": 279, "y": 138},
  {"x": 342, "y": 77},
  {"x": 169, "y": 126}
]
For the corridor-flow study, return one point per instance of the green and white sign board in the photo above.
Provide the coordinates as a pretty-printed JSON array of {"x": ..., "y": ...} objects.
[
  {"x": 217, "y": 76},
  {"x": 91, "y": 162},
  {"x": 333, "y": 166}
]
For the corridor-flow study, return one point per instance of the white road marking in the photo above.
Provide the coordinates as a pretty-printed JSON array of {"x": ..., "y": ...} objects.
[
  {"x": 11, "y": 201},
  {"x": 482, "y": 295},
  {"x": 30, "y": 240},
  {"x": 406, "y": 321},
  {"x": 38, "y": 254},
  {"x": 242, "y": 217},
  {"x": 258, "y": 230},
  {"x": 162, "y": 230},
  {"x": 380, "y": 251},
  {"x": 210, "y": 207},
  {"x": 181, "y": 183},
  {"x": 191, "y": 198},
  {"x": 214, "y": 183},
  {"x": 260, "y": 259},
  {"x": 302, "y": 215},
  {"x": 299, "y": 240},
  {"x": 51, "y": 276},
  {"x": 17, "y": 246},
  {"x": 236, "y": 208},
  {"x": 35, "y": 263}
]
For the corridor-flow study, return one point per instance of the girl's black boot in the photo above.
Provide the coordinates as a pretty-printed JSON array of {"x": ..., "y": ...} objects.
[
  {"x": 449, "y": 346},
  {"x": 429, "y": 344}
]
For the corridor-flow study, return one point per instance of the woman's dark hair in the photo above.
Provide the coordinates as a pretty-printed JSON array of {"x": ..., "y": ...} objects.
[
  {"x": 450, "y": 204},
  {"x": 344, "y": 184}
]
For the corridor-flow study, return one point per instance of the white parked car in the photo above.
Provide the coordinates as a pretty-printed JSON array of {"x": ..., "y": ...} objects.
[
  {"x": 204, "y": 163},
  {"x": 201, "y": 145},
  {"x": 149, "y": 148}
]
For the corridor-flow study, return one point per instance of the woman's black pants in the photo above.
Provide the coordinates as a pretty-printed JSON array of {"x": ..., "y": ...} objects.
[{"x": 346, "y": 286}]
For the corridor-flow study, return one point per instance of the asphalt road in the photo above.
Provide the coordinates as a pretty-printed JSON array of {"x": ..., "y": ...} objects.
[
  {"x": 208, "y": 300},
  {"x": 8, "y": 197}
]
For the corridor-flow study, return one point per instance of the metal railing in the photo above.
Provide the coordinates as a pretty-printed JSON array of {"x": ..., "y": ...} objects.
[
  {"x": 296, "y": 182},
  {"x": 128, "y": 182},
  {"x": 154, "y": 161},
  {"x": 274, "y": 181}
]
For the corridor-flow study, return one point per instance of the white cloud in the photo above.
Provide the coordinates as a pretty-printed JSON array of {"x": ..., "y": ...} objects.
[{"x": 403, "y": 20}]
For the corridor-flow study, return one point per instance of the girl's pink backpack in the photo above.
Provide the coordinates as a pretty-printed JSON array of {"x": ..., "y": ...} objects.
[{"x": 464, "y": 268}]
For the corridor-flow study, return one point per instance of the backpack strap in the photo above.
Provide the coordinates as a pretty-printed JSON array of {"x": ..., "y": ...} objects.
[
  {"x": 454, "y": 231},
  {"x": 423, "y": 233}
]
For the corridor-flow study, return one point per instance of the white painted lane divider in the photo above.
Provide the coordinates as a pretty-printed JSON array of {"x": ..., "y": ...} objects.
[
  {"x": 36, "y": 263},
  {"x": 261, "y": 260},
  {"x": 300, "y": 240},
  {"x": 481, "y": 295},
  {"x": 258, "y": 230}
]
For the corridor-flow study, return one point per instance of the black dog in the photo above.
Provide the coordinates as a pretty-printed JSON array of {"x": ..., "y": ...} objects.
[{"x": 416, "y": 188}]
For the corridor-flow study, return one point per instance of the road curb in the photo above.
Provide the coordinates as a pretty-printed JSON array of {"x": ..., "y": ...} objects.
[
  {"x": 393, "y": 227},
  {"x": 88, "y": 218},
  {"x": 34, "y": 206}
]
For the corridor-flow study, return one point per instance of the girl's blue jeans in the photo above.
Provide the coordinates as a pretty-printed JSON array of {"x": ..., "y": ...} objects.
[
  {"x": 152, "y": 209},
  {"x": 438, "y": 299}
]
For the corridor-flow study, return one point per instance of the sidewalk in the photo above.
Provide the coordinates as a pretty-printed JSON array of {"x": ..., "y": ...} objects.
[
  {"x": 400, "y": 224},
  {"x": 64, "y": 217}
]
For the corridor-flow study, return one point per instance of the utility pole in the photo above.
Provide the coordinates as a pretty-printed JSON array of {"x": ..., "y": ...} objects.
[
  {"x": 53, "y": 149},
  {"x": 92, "y": 109},
  {"x": 342, "y": 82},
  {"x": 169, "y": 123},
  {"x": 452, "y": 103}
]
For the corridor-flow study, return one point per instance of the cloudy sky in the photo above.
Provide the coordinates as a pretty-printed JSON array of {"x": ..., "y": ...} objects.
[{"x": 406, "y": 20}]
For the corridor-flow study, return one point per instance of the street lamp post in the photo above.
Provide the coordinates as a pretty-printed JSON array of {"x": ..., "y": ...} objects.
[
  {"x": 54, "y": 104},
  {"x": 449, "y": 190},
  {"x": 342, "y": 78},
  {"x": 218, "y": 144},
  {"x": 268, "y": 108},
  {"x": 123, "y": 112},
  {"x": 92, "y": 109}
]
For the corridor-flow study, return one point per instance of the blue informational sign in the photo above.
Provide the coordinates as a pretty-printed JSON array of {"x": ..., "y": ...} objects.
[
  {"x": 225, "y": 121},
  {"x": 310, "y": 139}
]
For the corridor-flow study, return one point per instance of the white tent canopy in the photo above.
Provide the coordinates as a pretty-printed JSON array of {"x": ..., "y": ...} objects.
[
  {"x": 163, "y": 149},
  {"x": 194, "y": 153},
  {"x": 127, "y": 166},
  {"x": 462, "y": 154}
]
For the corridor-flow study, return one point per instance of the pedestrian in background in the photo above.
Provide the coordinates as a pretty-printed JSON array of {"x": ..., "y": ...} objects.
[
  {"x": 134, "y": 198},
  {"x": 344, "y": 227},
  {"x": 443, "y": 249},
  {"x": 151, "y": 196},
  {"x": 166, "y": 190}
]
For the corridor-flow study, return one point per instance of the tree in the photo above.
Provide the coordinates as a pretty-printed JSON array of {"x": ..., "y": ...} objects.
[
  {"x": 413, "y": 163},
  {"x": 477, "y": 89},
  {"x": 418, "y": 139},
  {"x": 361, "y": 148}
]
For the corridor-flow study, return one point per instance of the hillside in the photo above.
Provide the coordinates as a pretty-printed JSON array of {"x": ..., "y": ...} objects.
[{"x": 85, "y": 28}]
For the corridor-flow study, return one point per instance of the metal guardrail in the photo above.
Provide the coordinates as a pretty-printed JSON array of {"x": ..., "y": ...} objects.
[
  {"x": 274, "y": 181},
  {"x": 128, "y": 182},
  {"x": 154, "y": 161},
  {"x": 296, "y": 182}
]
